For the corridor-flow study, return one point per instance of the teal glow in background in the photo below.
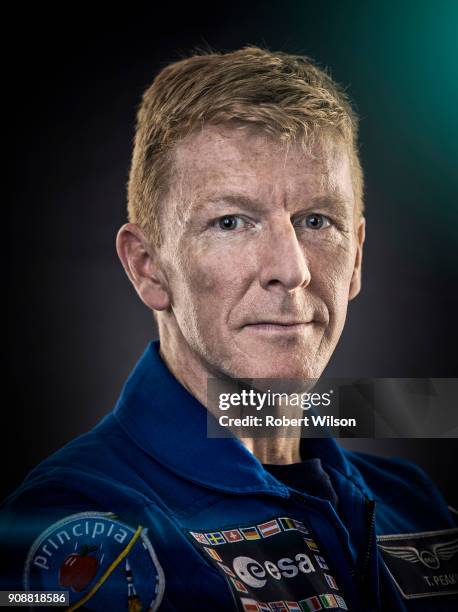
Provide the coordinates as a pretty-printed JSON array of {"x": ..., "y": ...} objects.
[{"x": 400, "y": 61}]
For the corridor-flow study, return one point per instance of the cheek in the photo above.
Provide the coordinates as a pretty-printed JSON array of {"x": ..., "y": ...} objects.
[
  {"x": 208, "y": 283},
  {"x": 331, "y": 273},
  {"x": 209, "y": 273}
]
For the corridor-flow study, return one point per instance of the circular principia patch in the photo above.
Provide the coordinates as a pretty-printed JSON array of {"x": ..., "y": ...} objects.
[{"x": 102, "y": 562}]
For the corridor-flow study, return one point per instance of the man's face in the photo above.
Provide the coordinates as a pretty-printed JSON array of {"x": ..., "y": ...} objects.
[{"x": 259, "y": 250}]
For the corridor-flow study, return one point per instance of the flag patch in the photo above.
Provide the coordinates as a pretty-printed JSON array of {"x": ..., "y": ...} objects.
[
  {"x": 271, "y": 566},
  {"x": 200, "y": 537},
  {"x": 226, "y": 569},
  {"x": 328, "y": 601},
  {"x": 233, "y": 535},
  {"x": 241, "y": 588},
  {"x": 310, "y": 604},
  {"x": 332, "y": 583},
  {"x": 278, "y": 606},
  {"x": 321, "y": 562},
  {"x": 215, "y": 538},
  {"x": 300, "y": 526},
  {"x": 250, "y": 533},
  {"x": 212, "y": 553},
  {"x": 311, "y": 544},
  {"x": 293, "y": 606},
  {"x": 286, "y": 523},
  {"x": 341, "y": 602},
  {"x": 249, "y": 605},
  {"x": 269, "y": 529}
]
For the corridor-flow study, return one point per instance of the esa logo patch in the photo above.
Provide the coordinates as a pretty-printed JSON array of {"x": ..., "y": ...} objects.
[
  {"x": 422, "y": 564},
  {"x": 102, "y": 562},
  {"x": 273, "y": 566}
]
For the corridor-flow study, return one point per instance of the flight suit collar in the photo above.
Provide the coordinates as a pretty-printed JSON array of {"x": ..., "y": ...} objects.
[{"x": 169, "y": 424}]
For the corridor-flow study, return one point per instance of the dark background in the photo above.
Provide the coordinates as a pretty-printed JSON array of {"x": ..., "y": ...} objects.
[{"x": 75, "y": 327}]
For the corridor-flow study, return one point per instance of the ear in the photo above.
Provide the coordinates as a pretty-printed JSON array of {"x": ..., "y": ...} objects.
[
  {"x": 355, "y": 283},
  {"x": 141, "y": 263}
]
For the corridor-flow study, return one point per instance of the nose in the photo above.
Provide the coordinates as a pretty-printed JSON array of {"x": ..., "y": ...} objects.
[{"x": 283, "y": 261}]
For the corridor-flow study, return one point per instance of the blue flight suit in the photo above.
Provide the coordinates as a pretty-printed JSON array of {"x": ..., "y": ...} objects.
[{"x": 145, "y": 512}]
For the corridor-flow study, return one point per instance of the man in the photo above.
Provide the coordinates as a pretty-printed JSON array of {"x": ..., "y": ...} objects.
[{"x": 245, "y": 239}]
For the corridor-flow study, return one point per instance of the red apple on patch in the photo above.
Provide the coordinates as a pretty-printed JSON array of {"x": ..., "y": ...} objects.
[{"x": 78, "y": 569}]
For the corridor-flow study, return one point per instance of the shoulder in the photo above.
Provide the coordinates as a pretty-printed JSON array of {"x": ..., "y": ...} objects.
[
  {"x": 80, "y": 497},
  {"x": 379, "y": 470},
  {"x": 91, "y": 466},
  {"x": 93, "y": 450},
  {"x": 58, "y": 485},
  {"x": 403, "y": 491},
  {"x": 56, "y": 538},
  {"x": 30, "y": 511}
]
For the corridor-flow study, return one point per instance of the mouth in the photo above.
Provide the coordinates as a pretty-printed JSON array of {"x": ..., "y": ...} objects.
[{"x": 278, "y": 326}]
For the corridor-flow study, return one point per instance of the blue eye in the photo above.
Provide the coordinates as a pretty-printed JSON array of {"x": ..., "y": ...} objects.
[
  {"x": 228, "y": 222},
  {"x": 316, "y": 221}
]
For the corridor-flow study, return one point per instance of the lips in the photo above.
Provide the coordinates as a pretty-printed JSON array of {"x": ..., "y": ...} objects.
[
  {"x": 289, "y": 319},
  {"x": 277, "y": 326},
  {"x": 281, "y": 323}
]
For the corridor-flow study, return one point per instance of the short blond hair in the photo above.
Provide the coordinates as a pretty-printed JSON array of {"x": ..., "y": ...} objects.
[{"x": 287, "y": 96}]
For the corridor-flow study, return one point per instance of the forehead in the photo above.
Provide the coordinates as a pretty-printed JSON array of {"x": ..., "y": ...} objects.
[{"x": 220, "y": 158}]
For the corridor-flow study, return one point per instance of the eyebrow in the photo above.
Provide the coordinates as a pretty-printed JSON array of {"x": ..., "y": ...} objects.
[
  {"x": 332, "y": 199},
  {"x": 236, "y": 199}
]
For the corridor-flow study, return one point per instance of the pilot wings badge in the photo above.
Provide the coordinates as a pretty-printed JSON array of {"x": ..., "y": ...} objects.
[
  {"x": 422, "y": 564},
  {"x": 429, "y": 557}
]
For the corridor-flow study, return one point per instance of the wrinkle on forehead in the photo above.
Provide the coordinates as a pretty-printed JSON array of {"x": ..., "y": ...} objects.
[{"x": 218, "y": 156}]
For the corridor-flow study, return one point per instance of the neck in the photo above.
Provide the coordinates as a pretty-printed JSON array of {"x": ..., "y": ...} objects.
[
  {"x": 193, "y": 374},
  {"x": 278, "y": 451}
]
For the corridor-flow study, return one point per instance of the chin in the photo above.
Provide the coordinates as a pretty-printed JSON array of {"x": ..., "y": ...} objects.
[{"x": 288, "y": 369}]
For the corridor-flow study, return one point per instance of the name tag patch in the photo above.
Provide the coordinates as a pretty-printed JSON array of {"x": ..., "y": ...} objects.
[
  {"x": 273, "y": 566},
  {"x": 422, "y": 564}
]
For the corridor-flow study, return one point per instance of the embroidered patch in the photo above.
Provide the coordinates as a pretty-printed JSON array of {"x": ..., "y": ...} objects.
[
  {"x": 273, "y": 566},
  {"x": 98, "y": 559},
  {"x": 422, "y": 564}
]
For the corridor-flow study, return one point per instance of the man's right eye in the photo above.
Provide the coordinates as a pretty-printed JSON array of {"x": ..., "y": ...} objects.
[{"x": 229, "y": 222}]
